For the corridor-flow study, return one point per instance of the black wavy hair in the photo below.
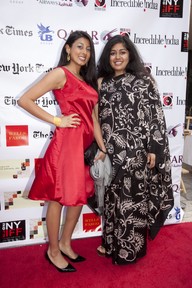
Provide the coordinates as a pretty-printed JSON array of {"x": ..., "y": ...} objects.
[
  {"x": 135, "y": 65},
  {"x": 88, "y": 71}
]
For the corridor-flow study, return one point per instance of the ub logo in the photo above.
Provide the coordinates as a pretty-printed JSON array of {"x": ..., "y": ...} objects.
[{"x": 44, "y": 33}]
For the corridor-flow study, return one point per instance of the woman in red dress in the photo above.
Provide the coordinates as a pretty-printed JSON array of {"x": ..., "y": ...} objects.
[{"x": 63, "y": 179}]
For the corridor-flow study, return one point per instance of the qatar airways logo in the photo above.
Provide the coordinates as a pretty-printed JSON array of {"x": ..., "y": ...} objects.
[
  {"x": 172, "y": 131},
  {"x": 176, "y": 161},
  {"x": 62, "y": 3},
  {"x": 81, "y": 3},
  {"x": 106, "y": 35},
  {"x": 64, "y": 34}
]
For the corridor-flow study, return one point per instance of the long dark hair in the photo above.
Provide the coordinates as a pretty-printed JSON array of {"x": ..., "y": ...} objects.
[
  {"x": 88, "y": 71},
  {"x": 135, "y": 65}
]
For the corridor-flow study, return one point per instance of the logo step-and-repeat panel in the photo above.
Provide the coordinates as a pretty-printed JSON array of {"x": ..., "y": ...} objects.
[{"x": 36, "y": 42}]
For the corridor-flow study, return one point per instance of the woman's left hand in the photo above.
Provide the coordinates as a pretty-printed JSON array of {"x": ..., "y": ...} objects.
[{"x": 151, "y": 157}]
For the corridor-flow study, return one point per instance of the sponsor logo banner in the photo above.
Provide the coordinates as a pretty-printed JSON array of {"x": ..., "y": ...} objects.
[
  {"x": 184, "y": 41},
  {"x": 17, "y": 200},
  {"x": 91, "y": 222},
  {"x": 12, "y": 231},
  {"x": 171, "y": 8},
  {"x": 13, "y": 169},
  {"x": 17, "y": 135},
  {"x": 38, "y": 228}
]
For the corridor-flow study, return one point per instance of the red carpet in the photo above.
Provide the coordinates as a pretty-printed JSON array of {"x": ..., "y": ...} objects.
[{"x": 168, "y": 264}]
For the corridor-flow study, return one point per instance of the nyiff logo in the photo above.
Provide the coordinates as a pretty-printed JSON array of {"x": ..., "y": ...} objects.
[
  {"x": 184, "y": 41},
  {"x": 12, "y": 231},
  {"x": 171, "y": 8},
  {"x": 45, "y": 34}
]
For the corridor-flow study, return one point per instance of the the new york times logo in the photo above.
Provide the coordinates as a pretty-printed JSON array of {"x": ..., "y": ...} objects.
[
  {"x": 41, "y": 135},
  {"x": 46, "y": 102},
  {"x": 17, "y": 68},
  {"x": 12, "y": 31},
  {"x": 12, "y": 231},
  {"x": 171, "y": 8}
]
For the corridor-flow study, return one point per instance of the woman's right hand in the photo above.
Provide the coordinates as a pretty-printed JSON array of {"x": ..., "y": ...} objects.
[
  {"x": 100, "y": 156},
  {"x": 70, "y": 121}
]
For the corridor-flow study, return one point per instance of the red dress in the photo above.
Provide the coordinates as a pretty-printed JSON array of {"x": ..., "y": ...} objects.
[{"x": 63, "y": 176}]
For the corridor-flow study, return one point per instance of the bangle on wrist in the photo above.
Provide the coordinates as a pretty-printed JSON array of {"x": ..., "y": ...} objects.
[
  {"x": 105, "y": 152},
  {"x": 57, "y": 121}
]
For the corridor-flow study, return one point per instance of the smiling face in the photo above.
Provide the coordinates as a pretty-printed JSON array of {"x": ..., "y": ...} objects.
[
  {"x": 80, "y": 51},
  {"x": 119, "y": 58}
]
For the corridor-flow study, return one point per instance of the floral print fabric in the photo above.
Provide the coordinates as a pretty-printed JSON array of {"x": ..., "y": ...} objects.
[{"x": 138, "y": 199}]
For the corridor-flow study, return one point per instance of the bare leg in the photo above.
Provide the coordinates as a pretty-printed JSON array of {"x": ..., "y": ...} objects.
[
  {"x": 72, "y": 216},
  {"x": 53, "y": 224}
]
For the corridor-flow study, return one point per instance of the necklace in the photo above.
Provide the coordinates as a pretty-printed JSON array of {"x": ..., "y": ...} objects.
[{"x": 76, "y": 74}]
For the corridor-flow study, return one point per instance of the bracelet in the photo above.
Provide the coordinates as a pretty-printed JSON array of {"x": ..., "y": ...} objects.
[
  {"x": 103, "y": 151},
  {"x": 56, "y": 121}
]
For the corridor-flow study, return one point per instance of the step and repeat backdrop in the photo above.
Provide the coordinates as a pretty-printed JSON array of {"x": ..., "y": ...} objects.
[{"x": 32, "y": 34}]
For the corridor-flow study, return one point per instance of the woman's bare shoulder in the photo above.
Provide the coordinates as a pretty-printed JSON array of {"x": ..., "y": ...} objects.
[{"x": 59, "y": 76}]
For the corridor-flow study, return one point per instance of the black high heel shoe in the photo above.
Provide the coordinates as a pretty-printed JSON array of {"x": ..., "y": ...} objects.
[
  {"x": 68, "y": 268},
  {"x": 79, "y": 258}
]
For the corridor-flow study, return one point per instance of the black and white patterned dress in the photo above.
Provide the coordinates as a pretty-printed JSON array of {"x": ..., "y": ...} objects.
[{"x": 138, "y": 199}]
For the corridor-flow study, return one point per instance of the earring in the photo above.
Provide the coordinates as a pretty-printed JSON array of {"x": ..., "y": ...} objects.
[{"x": 68, "y": 57}]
